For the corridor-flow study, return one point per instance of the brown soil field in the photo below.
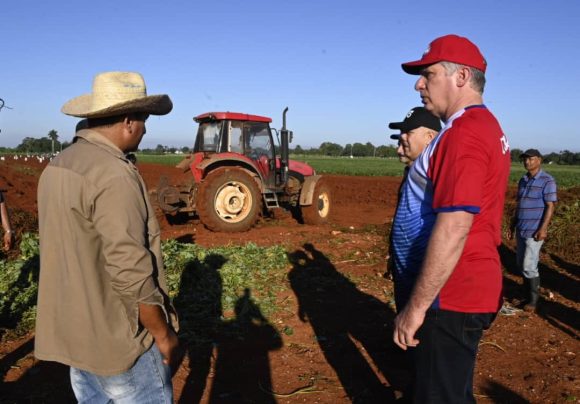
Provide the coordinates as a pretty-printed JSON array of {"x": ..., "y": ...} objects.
[{"x": 338, "y": 304}]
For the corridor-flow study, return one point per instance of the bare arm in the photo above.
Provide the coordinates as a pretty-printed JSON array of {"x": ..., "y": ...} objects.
[
  {"x": 152, "y": 318},
  {"x": 542, "y": 232},
  {"x": 443, "y": 252},
  {"x": 8, "y": 235}
]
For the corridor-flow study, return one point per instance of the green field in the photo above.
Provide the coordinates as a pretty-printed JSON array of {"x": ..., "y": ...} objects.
[
  {"x": 566, "y": 176},
  {"x": 165, "y": 159}
]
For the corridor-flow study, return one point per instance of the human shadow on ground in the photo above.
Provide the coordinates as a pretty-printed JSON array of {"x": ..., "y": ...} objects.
[
  {"x": 11, "y": 359},
  {"x": 199, "y": 306},
  {"x": 228, "y": 359},
  {"x": 43, "y": 382},
  {"x": 501, "y": 394},
  {"x": 341, "y": 317},
  {"x": 512, "y": 290},
  {"x": 559, "y": 315},
  {"x": 242, "y": 368},
  {"x": 551, "y": 279},
  {"x": 571, "y": 268}
]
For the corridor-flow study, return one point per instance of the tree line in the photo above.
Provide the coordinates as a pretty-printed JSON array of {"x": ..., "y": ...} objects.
[
  {"x": 564, "y": 157},
  {"x": 51, "y": 144}
]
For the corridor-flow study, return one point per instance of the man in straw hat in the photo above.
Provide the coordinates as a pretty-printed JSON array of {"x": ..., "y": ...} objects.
[
  {"x": 452, "y": 225},
  {"x": 102, "y": 301}
]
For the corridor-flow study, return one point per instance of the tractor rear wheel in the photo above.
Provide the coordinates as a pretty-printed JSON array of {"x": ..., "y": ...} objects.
[
  {"x": 319, "y": 211},
  {"x": 229, "y": 200}
]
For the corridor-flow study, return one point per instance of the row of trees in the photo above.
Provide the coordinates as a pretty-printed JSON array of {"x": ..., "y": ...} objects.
[
  {"x": 47, "y": 144},
  {"x": 51, "y": 144},
  {"x": 565, "y": 157},
  {"x": 355, "y": 150}
]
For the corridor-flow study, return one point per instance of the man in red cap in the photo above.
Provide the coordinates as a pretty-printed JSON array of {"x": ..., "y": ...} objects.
[{"x": 451, "y": 225}]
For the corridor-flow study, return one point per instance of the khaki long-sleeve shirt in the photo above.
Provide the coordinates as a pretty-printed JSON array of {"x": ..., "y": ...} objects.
[{"x": 100, "y": 256}]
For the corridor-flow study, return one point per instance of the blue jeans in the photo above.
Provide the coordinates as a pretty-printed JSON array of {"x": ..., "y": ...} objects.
[
  {"x": 528, "y": 256},
  {"x": 444, "y": 360},
  {"x": 148, "y": 381}
]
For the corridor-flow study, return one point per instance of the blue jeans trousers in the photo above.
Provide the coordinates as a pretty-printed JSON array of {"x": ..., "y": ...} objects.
[
  {"x": 528, "y": 256},
  {"x": 444, "y": 360},
  {"x": 148, "y": 381}
]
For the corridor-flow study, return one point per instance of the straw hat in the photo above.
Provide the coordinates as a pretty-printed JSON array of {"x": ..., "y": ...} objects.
[{"x": 117, "y": 93}]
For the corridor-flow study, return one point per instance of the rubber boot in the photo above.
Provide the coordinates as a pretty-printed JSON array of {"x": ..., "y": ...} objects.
[
  {"x": 534, "y": 293},
  {"x": 523, "y": 292}
]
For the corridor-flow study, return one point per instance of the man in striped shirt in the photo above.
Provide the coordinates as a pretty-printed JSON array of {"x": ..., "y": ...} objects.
[{"x": 536, "y": 201}]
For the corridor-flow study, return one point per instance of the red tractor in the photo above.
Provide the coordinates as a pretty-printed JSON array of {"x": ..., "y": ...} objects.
[{"x": 238, "y": 173}]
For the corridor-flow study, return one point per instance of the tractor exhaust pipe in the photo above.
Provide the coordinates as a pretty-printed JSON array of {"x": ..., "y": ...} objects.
[
  {"x": 285, "y": 140},
  {"x": 284, "y": 118}
]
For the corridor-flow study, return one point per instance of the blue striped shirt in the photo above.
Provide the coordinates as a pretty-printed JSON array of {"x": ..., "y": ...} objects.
[
  {"x": 533, "y": 193},
  {"x": 413, "y": 222}
]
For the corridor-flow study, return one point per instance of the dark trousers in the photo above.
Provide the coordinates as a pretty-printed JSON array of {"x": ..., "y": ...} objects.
[{"x": 444, "y": 360}]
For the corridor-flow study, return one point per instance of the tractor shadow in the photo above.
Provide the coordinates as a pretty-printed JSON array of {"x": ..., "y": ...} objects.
[
  {"x": 352, "y": 328},
  {"x": 180, "y": 218}
]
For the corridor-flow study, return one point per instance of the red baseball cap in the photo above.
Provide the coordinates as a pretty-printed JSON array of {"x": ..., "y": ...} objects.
[{"x": 448, "y": 48}]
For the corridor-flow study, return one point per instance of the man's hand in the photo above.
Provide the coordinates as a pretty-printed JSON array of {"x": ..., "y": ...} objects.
[
  {"x": 406, "y": 325},
  {"x": 541, "y": 234},
  {"x": 153, "y": 318},
  {"x": 170, "y": 350},
  {"x": 510, "y": 234},
  {"x": 8, "y": 237}
]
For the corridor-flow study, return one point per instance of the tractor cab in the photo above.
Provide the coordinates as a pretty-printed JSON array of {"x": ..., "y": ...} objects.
[{"x": 242, "y": 137}]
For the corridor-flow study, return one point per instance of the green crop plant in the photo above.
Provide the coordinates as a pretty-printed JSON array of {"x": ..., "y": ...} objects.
[
  {"x": 211, "y": 286},
  {"x": 19, "y": 288},
  {"x": 205, "y": 284}
]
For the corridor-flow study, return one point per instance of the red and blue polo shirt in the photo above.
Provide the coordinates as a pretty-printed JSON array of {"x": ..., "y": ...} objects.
[{"x": 465, "y": 168}]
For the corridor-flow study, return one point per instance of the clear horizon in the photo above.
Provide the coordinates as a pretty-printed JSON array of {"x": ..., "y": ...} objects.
[{"x": 335, "y": 64}]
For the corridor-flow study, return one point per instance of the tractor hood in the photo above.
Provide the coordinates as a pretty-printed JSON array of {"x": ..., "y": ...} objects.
[{"x": 300, "y": 167}]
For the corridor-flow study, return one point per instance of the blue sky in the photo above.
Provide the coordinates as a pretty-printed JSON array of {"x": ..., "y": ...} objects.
[{"x": 334, "y": 63}]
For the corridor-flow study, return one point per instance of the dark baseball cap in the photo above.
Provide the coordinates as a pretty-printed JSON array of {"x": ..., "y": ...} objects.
[
  {"x": 531, "y": 153},
  {"x": 416, "y": 117},
  {"x": 448, "y": 48}
]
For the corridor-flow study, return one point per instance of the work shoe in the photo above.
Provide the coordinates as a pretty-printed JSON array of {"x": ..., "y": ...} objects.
[{"x": 508, "y": 310}]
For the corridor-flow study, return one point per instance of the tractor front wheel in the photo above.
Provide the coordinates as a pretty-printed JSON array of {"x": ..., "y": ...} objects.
[
  {"x": 229, "y": 200},
  {"x": 319, "y": 211}
]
